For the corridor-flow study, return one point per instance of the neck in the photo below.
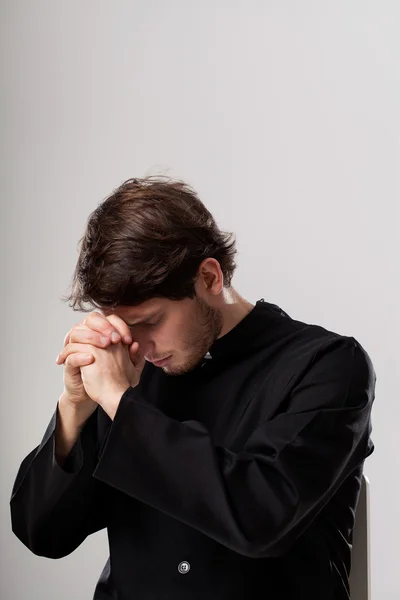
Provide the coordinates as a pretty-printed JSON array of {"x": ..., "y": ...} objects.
[{"x": 234, "y": 308}]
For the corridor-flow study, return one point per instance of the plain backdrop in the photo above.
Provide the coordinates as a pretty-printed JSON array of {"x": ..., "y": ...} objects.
[{"x": 283, "y": 115}]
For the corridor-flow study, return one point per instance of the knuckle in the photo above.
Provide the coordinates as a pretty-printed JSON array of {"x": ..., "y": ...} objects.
[
  {"x": 103, "y": 339},
  {"x": 72, "y": 332},
  {"x": 87, "y": 320},
  {"x": 118, "y": 325},
  {"x": 74, "y": 347},
  {"x": 81, "y": 334},
  {"x": 99, "y": 323}
]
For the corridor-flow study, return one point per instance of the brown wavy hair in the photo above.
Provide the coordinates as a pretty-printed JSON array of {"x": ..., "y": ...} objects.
[{"x": 147, "y": 239}]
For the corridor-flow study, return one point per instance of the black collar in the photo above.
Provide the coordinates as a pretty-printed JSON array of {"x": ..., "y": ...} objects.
[{"x": 247, "y": 333}]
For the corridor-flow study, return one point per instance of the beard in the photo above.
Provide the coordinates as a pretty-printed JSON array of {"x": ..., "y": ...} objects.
[{"x": 205, "y": 326}]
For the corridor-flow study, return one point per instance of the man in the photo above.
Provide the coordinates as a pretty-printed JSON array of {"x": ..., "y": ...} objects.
[{"x": 221, "y": 443}]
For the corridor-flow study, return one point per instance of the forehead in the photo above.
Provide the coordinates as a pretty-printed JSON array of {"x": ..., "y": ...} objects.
[{"x": 135, "y": 313}]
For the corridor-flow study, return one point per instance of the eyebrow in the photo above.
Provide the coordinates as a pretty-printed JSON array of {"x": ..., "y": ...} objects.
[{"x": 143, "y": 318}]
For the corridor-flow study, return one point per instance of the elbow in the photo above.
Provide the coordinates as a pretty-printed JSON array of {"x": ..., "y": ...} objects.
[
  {"x": 49, "y": 544},
  {"x": 37, "y": 544},
  {"x": 39, "y": 540},
  {"x": 269, "y": 550},
  {"x": 272, "y": 542}
]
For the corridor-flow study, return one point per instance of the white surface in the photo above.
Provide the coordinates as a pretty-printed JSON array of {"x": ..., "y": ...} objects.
[{"x": 285, "y": 118}]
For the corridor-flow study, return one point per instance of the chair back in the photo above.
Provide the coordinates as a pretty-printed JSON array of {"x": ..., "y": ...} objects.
[{"x": 359, "y": 579}]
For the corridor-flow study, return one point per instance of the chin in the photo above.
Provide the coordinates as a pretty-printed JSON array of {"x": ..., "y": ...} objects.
[{"x": 177, "y": 369}]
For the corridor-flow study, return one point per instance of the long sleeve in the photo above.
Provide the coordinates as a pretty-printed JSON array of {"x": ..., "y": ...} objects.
[
  {"x": 259, "y": 500},
  {"x": 54, "y": 508}
]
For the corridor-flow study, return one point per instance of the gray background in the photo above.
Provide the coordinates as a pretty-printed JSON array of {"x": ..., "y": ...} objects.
[{"x": 283, "y": 115}]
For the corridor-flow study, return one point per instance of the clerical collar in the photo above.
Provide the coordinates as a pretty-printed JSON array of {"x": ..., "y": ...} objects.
[{"x": 240, "y": 337}]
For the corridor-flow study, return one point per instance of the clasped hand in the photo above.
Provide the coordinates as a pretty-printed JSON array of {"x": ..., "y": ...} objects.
[{"x": 112, "y": 365}]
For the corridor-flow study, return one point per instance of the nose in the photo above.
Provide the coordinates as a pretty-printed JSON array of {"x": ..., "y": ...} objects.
[{"x": 147, "y": 349}]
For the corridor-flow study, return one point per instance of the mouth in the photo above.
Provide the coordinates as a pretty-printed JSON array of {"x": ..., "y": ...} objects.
[{"x": 162, "y": 362}]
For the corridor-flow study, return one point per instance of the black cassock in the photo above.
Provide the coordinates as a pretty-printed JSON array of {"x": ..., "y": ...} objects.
[{"x": 237, "y": 480}]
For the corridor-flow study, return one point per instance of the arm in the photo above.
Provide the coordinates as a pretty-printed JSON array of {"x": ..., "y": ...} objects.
[
  {"x": 67, "y": 431},
  {"x": 257, "y": 501},
  {"x": 55, "y": 506}
]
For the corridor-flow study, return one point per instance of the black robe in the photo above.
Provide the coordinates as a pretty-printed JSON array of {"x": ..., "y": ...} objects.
[{"x": 237, "y": 480}]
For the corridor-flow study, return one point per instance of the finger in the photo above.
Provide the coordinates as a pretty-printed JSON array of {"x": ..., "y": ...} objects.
[
  {"x": 71, "y": 348},
  {"x": 73, "y": 336},
  {"x": 136, "y": 355},
  {"x": 66, "y": 339},
  {"x": 78, "y": 359},
  {"x": 85, "y": 335},
  {"x": 121, "y": 327},
  {"x": 98, "y": 322},
  {"x": 134, "y": 350},
  {"x": 103, "y": 326},
  {"x": 108, "y": 325}
]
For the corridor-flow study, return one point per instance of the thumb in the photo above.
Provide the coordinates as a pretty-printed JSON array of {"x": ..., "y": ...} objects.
[{"x": 135, "y": 354}]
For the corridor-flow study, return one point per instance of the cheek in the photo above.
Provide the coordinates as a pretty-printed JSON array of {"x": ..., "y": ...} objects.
[
  {"x": 158, "y": 338},
  {"x": 168, "y": 339},
  {"x": 164, "y": 339}
]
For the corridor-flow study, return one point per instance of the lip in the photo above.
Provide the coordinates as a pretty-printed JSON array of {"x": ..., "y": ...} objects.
[{"x": 161, "y": 363}]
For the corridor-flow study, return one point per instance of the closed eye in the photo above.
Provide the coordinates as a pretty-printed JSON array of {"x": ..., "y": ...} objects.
[
  {"x": 156, "y": 323},
  {"x": 150, "y": 324}
]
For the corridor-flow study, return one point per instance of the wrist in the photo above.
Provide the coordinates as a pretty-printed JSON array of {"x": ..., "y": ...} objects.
[
  {"x": 110, "y": 401},
  {"x": 74, "y": 413}
]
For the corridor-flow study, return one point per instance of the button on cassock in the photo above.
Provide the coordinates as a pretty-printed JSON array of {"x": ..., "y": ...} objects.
[{"x": 184, "y": 567}]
